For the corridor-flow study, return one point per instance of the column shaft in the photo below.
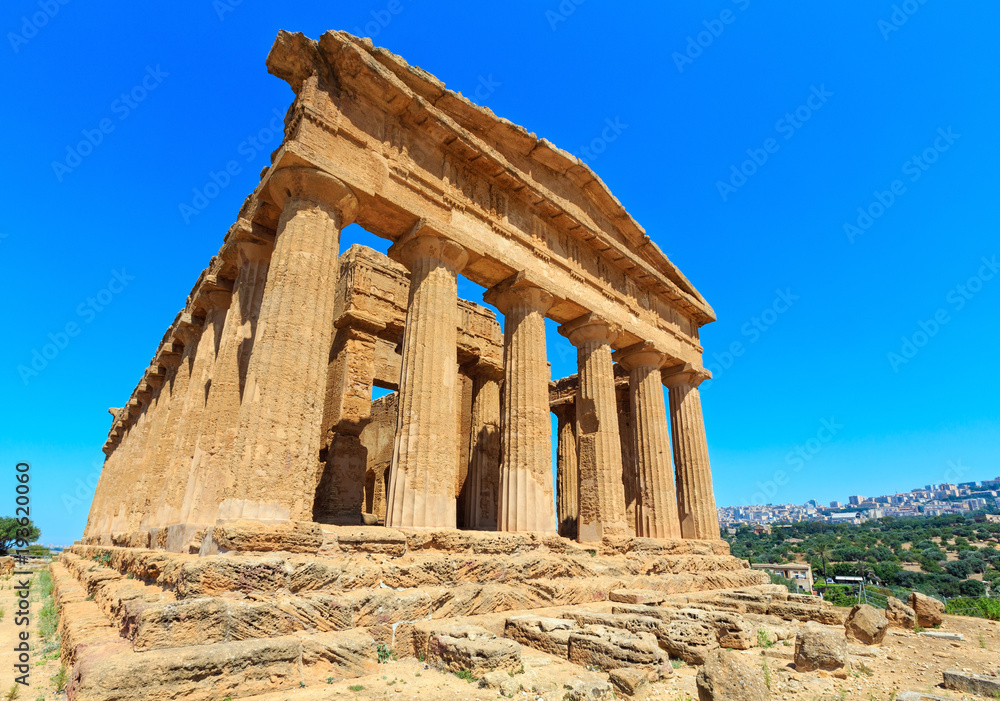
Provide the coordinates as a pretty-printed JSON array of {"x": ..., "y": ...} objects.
[
  {"x": 484, "y": 455},
  {"x": 567, "y": 472},
  {"x": 602, "y": 496},
  {"x": 695, "y": 498},
  {"x": 214, "y": 479},
  {"x": 526, "y": 501},
  {"x": 422, "y": 481},
  {"x": 276, "y": 455},
  {"x": 657, "y": 503}
]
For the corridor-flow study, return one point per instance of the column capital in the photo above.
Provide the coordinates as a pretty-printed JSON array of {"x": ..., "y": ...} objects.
[
  {"x": 643, "y": 354},
  {"x": 314, "y": 185},
  {"x": 519, "y": 287},
  {"x": 565, "y": 411},
  {"x": 686, "y": 374},
  {"x": 424, "y": 242},
  {"x": 188, "y": 329},
  {"x": 590, "y": 327}
]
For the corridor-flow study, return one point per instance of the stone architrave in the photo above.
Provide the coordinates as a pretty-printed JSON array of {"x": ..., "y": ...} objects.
[
  {"x": 695, "y": 498},
  {"x": 656, "y": 509},
  {"x": 567, "y": 473},
  {"x": 526, "y": 502},
  {"x": 422, "y": 477},
  {"x": 602, "y": 497},
  {"x": 276, "y": 455}
]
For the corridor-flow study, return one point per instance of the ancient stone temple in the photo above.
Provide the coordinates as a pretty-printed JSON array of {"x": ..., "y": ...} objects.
[{"x": 254, "y": 430}]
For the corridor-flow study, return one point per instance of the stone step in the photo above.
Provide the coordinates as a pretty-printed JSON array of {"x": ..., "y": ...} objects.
[{"x": 189, "y": 576}]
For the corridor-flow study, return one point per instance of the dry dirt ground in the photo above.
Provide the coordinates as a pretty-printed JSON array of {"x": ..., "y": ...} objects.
[{"x": 43, "y": 666}]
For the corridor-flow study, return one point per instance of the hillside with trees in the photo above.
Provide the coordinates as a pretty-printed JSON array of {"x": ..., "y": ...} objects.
[{"x": 948, "y": 556}]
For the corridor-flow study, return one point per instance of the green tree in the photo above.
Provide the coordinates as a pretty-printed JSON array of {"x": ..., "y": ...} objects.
[
  {"x": 11, "y": 530},
  {"x": 825, "y": 553}
]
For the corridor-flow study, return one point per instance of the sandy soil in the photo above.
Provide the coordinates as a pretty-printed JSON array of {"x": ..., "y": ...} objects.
[{"x": 42, "y": 667}]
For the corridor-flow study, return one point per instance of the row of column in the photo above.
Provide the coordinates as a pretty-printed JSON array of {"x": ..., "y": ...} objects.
[
  {"x": 235, "y": 429},
  {"x": 421, "y": 482}
]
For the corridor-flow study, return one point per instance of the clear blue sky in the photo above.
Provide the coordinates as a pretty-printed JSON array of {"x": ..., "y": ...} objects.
[{"x": 873, "y": 95}]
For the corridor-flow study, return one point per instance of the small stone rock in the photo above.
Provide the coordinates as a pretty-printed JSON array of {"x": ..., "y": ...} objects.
[
  {"x": 866, "y": 624},
  {"x": 818, "y": 648},
  {"x": 929, "y": 610}
]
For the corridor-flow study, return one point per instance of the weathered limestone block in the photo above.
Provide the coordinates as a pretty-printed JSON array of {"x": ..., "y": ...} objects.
[
  {"x": 634, "y": 683},
  {"x": 728, "y": 677},
  {"x": 611, "y": 648},
  {"x": 383, "y": 541},
  {"x": 971, "y": 683},
  {"x": 340, "y": 655},
  {"x": 929, "y": 610},
  {"x": 465, "y": 647},
  {"x": 255, "y": 537},
  {"x": 637, "y": 596},
  {"x": 333, "y": 575},
  {"x": 220, "y": 574},
  {"x": 824, "y": 612},
  {"x": 580, "y": 690},
  {"x": 549, "y": 635},
  {"x": 385, "y": 606},
  {"x": 477, "y": 599},
  {"x": 866, "y": 624},
  {"x": 821, "y": 648},
  {"x": 900, "y": 615}
]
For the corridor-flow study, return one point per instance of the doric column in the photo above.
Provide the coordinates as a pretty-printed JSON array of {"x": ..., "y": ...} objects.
[
  {"x": 656, "y": 507},
  {"x": 695, "y": 498},
  {"x": 567, "y": 474},
  {"x": 214, "y": 478},
  {"x": 191, "y": 421},
  {"x": 602, "y": 497},
  {"x": 162, "y": 453},
  {"x": 276, "y": 456},
  {"x": 630, "y": 471},
  {"x": 483, "y": 485},
  {"x": 422, "y": 477},
  {"x": 526, "y": 502}
]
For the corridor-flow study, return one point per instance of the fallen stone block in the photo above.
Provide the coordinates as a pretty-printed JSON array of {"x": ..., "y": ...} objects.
[
  {"x": 900, "y": 615},
  {"x": 866, "y": 624},
  {"x": 725, "y": 676},
  {"x": 939, "y": 635},
  {"x": 971, "y": 683},
  {"x": 919, "y": 696},
  {"x": 821, "y": 649},
  {"x": 631, "y": 682},
  {"x": 589, "y": 691},
  {"x": 930, "y": 611},
  {"x": 611, "y": 648},
  {"x": 549, "y": 635},
  {"x": 461, "y": 647}
]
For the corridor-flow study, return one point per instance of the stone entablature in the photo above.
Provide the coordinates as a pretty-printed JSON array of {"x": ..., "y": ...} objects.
[{"x": 256, "y": 403}]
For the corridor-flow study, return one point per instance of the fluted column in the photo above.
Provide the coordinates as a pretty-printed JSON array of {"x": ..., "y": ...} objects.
[
  {"x": 214, "y": 476},
  {"x": 695, "y": 498},
  {"x": 526, "y": 502},
  {"x": 191, "y": 422},
  {"x": 567, "y": 473},
  {"x": 483, "y": 486},
  {"x": 602, "y": 497},
  {"x": 163, "y": 444},
  {"x": 656, "y": 505},
  {"x": 276, "y": 455},
  {"x": 630, "y": 470},
  {"x": 423, "y": 472}
]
